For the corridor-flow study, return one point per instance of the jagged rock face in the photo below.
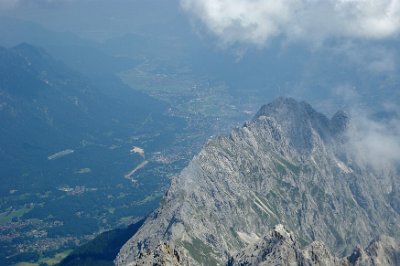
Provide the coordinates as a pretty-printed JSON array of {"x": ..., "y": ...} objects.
[
  {"x": 382, "y": 251},
  {"x": 163, "y": 254},
  {"x": 288, "y": 165},
  {"x": 279, "y": 247}
]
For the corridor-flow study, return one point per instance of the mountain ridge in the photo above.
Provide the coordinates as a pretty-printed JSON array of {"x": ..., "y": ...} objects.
[{"x": 288, "y": 165}]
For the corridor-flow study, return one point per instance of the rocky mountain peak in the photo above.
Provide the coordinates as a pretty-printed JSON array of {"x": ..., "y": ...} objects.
[
  {"x": 284, "y": 106},
  {"x": 281, "y": 232},
  {"x": 301, "y": 123},
  {"x": 287, "y": 166},
  {"x": 339, "y": 122}
]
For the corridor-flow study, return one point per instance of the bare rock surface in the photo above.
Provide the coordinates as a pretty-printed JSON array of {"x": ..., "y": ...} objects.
[
  {"x": 287, "y": 166},
  {"x": 280, "y": 247}
]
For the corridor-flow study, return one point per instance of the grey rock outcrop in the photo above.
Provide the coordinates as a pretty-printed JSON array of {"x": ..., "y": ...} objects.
[
  {"x": 287, "y": 166},
  {"x": 279, "y": 247},
  {"x": 383, "y": 250}
]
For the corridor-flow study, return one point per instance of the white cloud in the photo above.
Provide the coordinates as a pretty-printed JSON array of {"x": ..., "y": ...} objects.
[
  {"x": 373, "y": 142},
  {"x": 373, "y": 139},
  {"x": 257, "y": 21}
]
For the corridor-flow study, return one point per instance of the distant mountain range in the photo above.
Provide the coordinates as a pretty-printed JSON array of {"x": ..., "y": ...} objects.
[{"x": 290, "y": 166}]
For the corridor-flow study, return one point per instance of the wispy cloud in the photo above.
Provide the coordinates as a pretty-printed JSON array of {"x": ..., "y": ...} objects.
[
  {"x": 257, "y": 21},
  {"x": 375, "y": 141},
  {"x": 375, "y": 58}
]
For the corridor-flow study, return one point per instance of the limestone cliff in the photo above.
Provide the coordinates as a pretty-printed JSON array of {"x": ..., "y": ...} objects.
[{"x": 287, "y": 166}]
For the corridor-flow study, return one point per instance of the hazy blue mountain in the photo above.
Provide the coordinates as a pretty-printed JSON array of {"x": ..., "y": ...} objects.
[
  {"x": 83, "y": 55},
  {"x": 15, "y": 31},
  {"x": 46, "y": 106}
]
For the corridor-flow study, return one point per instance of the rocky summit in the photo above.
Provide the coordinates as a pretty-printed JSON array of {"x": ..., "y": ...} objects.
[{"x": 287, "y": 170}]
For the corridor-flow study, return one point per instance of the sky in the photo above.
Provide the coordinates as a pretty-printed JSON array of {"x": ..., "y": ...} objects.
[{"x": 97, "y": 19}]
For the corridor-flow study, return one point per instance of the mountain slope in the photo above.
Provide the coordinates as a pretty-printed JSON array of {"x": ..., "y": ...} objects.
[
  {"x": 288, "y": 165},
  {"x": 65, "y": 148},
  {"x": 46, "y": 107}
]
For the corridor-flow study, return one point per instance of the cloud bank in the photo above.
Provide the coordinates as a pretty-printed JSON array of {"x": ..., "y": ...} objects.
[{"x": 257, "y": 21}]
